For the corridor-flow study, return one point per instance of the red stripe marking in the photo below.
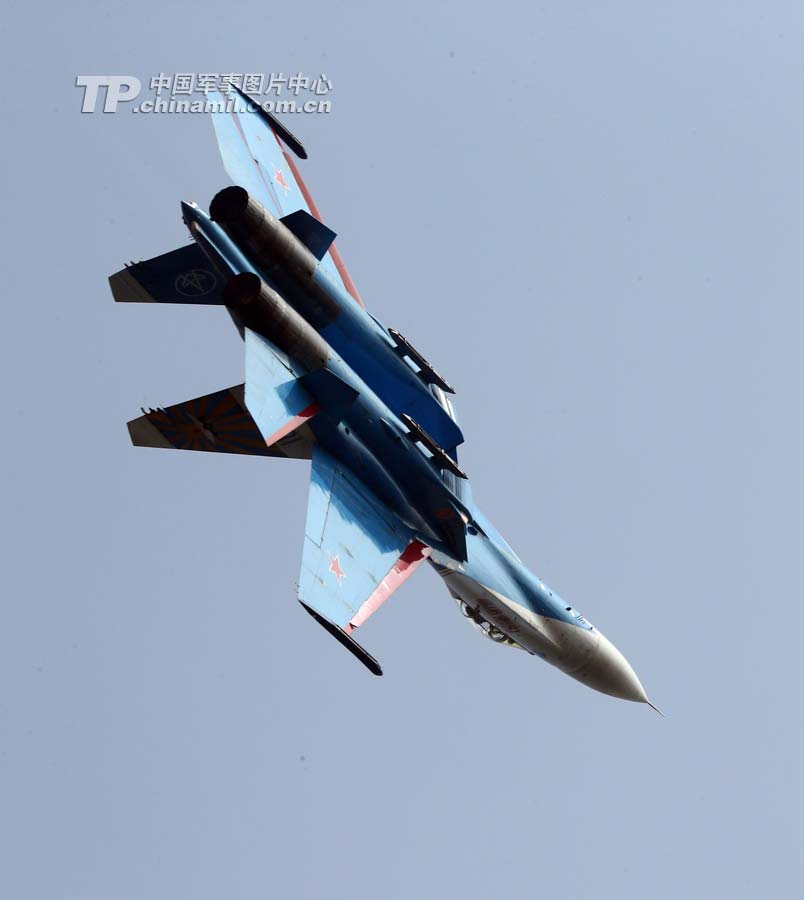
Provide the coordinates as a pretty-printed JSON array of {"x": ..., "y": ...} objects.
[
  {"x": 403, "y": 568},
  {"x": 340, "y": 265},
  {"x": 294, "y": 423}
]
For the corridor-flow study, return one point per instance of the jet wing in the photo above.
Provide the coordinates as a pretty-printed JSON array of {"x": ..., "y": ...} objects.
[
  {"x": 356, "y": 553},
  {"x": 255, "y": 158},
  {"x": 217, "y": 423}
]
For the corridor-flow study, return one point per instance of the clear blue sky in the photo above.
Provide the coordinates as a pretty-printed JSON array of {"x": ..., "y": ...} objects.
[{"x": 590, "y": 216}]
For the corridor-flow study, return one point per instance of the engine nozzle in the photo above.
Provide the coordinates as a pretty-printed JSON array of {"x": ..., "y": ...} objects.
[
  {"x": 264, "y": 311},
  {"x": 275, "y": 251}
]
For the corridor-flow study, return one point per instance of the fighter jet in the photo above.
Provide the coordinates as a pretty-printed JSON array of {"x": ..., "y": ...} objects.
[{"x": 326, "y": 381}]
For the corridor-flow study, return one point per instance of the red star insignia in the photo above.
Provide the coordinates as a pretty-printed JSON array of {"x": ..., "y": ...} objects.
[
  {"x": 279, "y": 178},
  {"x": 335, "y": 568}
]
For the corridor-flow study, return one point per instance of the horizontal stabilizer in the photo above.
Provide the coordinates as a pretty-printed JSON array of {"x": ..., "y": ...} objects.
[
  {"x": 180, "y": 276},
  {"x": 217, "y": 423},
  {"x": 315, "y": 236}
]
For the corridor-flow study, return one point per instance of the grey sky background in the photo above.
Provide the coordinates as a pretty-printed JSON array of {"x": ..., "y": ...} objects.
[{"x": 590, "y": 216}]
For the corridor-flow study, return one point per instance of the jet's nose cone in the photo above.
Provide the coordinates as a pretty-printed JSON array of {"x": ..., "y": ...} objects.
[
  {"x": 609, "y": 672},
  {"x": 190, "y": 213}
]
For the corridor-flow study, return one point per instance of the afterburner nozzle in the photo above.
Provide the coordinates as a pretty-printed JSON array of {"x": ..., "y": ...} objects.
[{"x": 264, "y": 311}]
